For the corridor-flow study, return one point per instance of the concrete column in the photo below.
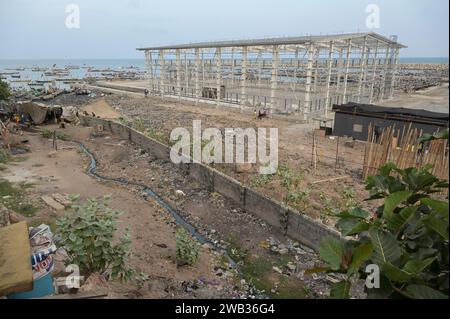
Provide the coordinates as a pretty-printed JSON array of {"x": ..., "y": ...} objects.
[
  {"x": 394, "y": 74},
  {"x": 260, "y": 67},
  {"x": 232, "y": 66},
  {"x": 362, "y": 69},
  {"x": 243, "y": 100},
  {"x": 178, "y": 57},
  {"x": 330, "y": 67},
  {"x": 203, "y": 70},
  {"x": 162, "y": 73},
  {"x": 274, "y": 79},
  {"x": 347, "y": 67},
  {"x": 309, "y": 73},
  {"x": 374, "y": 73},
  {"x": 197, "y": 76},
  {"x": 339, "y": 69},
  {"x": 186, "y": 74},
  {"x": 218, "y": 74},
  {"x": 385, "y": 73},
  {"x": 149, "y": 69},
  {"x": 316, "y": 73}
]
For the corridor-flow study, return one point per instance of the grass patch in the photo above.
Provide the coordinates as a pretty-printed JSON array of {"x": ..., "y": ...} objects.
[
  {"x": 46, "y": 133},
  {"x": 259, "y": 273},
  {"x": 14, "y": 198},
  {"x": 4, "y": 156},
  {"x": 260, "y": 180}
]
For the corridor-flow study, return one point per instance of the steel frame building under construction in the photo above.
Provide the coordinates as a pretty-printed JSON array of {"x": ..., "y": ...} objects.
[{"x": 303, "y": 75}]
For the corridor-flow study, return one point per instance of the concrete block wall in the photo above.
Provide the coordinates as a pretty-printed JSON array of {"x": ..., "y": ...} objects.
[{"x": 286, "y": 220}]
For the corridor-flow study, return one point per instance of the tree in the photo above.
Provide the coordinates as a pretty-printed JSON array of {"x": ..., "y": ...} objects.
[{"x": 4, "y": 91}]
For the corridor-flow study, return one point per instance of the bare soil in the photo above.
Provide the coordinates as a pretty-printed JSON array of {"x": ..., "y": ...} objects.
[{"x": 153, "y": 229}]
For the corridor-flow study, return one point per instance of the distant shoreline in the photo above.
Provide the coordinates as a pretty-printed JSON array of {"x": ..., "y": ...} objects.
[{"x": 30, "y": 62}]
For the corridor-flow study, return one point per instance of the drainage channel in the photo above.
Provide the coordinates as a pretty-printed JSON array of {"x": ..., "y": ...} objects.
[{"x": 91, "y": 171}]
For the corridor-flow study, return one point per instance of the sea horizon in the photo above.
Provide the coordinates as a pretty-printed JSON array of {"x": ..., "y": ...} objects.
[{"x": 140, "y": 62}]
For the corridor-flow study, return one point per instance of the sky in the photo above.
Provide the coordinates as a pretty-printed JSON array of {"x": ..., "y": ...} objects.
[{"x": 37, "y": 29}]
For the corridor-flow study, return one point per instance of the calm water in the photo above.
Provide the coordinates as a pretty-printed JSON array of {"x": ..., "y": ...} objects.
[
  {"x": 123, "y": 63},
  {"x": 102, "y": 64}
]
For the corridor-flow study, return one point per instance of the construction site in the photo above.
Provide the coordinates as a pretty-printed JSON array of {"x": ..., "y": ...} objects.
[
  {"x": 301, "y": 76},
  {"x": 259, "y": 234}
]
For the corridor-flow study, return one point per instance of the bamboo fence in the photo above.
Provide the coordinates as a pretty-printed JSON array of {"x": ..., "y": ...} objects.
[{"x": 401, "y": 147}]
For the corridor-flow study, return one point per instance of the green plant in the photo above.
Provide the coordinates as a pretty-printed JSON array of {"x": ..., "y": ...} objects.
[
  {"x": 443, "y": 135},
  {"x": 289, "y": 179},
  {"x": 62, "y": 136},
  {"x": 4, "y": 156},
  {"x": 261, "y": 180},
  {"x": 140, "y": 126},
  {"x": 298, "y": 199},
  {"x": 4, "y": 91},
  {"x": 47, "y": 133},
  {"x": 14, "y": 198},
  {"x": 87, "y": 234},
  {"x": 407, "y": 237},
  {"x": 348, "y": 199},
  {"x": 188, "y": 249},
  {"x": 328, "y": 207}
]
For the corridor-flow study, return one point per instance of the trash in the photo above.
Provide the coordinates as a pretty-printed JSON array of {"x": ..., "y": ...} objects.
[
  {"x": 180, "y": 193},
  {"x": 291, "y": 266},
  {"x": 42, "y": 251},
  {"x": 264, "y": 244},
  {"x": 278, "y": 270}
]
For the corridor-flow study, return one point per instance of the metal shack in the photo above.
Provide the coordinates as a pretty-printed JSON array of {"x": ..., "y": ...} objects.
[{"x": 353, "y": 119}]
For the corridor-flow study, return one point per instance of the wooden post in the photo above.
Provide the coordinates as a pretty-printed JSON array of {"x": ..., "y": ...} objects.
[
  {"x": 337, "y": 154},
  {"x": 55, "y": 145}
]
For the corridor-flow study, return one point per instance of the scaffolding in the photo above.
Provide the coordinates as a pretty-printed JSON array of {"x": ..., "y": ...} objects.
[{"x": 301, "y": 75}]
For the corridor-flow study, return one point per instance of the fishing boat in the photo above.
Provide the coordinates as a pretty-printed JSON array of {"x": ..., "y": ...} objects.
[{"x": 35, "y": 84}]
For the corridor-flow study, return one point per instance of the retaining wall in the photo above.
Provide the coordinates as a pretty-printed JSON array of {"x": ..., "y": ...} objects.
[{"x": 286, "y": 220}]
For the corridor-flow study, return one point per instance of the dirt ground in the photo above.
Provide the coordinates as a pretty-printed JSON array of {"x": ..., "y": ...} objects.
[
  {"x": 295, "y": 150},
  {"x": 160, "y": 117},
  {"x": 248, "y": 240},
  {"x": 434, "y": 99},
  {"x": 153, "y": 231}
]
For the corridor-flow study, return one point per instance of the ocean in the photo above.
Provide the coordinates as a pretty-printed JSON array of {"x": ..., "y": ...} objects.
[
  {"x": 82, "y": 68},
  {"x": 140, "y": 63}
]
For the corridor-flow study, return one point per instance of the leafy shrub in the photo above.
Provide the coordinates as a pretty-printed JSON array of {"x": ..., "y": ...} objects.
[
  {"x": 298, "y": 199},
  {"x": 4, "y": 156},
  {"x": 4, "y": 91},
  {"x": 87, "y": 234},
  {"x": 188, "y": 249},
  {"x": 407, "y": 237},
  {"x": 46, "y": 133},
  {"x": 289, "y": 179}
]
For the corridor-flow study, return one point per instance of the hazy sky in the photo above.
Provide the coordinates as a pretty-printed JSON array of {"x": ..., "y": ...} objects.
[{"x": 35, "y": 29}]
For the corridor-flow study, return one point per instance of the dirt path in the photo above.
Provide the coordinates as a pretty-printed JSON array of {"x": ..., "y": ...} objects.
[{"x": 152, "y": 229}]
